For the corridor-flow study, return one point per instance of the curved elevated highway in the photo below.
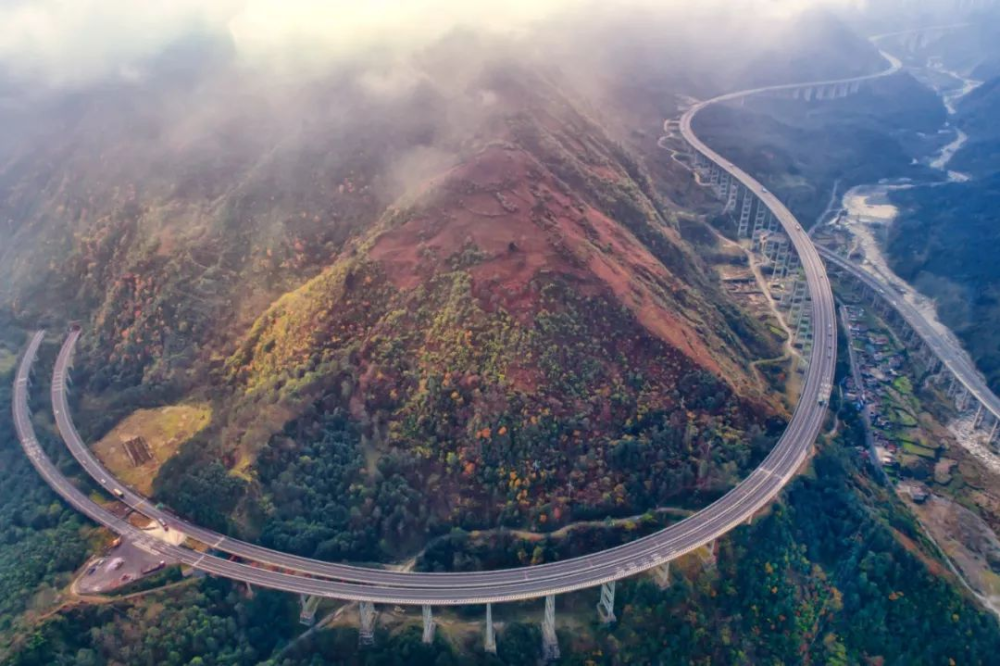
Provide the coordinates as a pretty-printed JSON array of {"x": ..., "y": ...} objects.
[
  {"x": 317, "y": 578},
  {"x": 954, "y": 360}
]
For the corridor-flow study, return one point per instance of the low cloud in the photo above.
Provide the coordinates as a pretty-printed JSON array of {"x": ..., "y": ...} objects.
[{"x": 73, "y": 42}]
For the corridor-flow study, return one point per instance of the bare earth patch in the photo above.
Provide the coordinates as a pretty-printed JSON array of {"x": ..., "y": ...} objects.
[
  {"x": 7, "y": 361},
  {"x": 163, "y": 430},
  {"x": 969, "y": 542}
]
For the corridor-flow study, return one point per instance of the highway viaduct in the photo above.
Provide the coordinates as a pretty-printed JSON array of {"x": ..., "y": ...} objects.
[
  {"x": 757, "y": 209},
  {"x": 944, "y": 362}
]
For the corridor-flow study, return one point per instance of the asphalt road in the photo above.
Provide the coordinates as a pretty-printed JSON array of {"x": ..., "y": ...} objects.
[
  {"x": 359, "y": 583},
  {"x": 956, "y": 361}
]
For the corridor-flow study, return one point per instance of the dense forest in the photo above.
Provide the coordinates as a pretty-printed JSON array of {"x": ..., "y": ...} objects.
[
  {"x": 837, "y": 573},
  {"x": 41, "y": 540}
]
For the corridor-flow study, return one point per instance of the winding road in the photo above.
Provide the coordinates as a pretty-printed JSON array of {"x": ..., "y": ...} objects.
[{"x": 314, "y": 577}]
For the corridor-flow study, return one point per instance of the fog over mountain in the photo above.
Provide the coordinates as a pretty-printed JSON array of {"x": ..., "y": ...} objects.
[
  {"x": 443, "y": 286},
  {"x": 51, "y": 42}
]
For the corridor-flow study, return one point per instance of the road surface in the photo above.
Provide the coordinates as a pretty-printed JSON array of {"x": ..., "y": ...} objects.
[
  {"x": 319, "y": 578},
  {"x": 955, "y": 360}
]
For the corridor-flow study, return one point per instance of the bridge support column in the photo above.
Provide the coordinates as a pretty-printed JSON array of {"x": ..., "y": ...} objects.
[
  {"x": 781, "y": 263},
  {"x": 307, "y": 614},
  {"x": 550, "y": 643},
  {"x": 606, "y": 606},
  {"x": 803, "y": 332},
  {"x": 978, "y": 421},
  {"x": 428, "y": 616},
  {"x": 367, "y": 613},
  {"x": 661, "y": 575},
  {"x": 713, "y": 556},
  {"x": 744, "y": 228},
  {"x": 760, "y": 217},
  {"x": 723, "y": 188},
  {"x": 962, "y": 398},
  {"x": 490, "y": 640},
  {"x": 993, "y": 429},
  {"x": 952, "y": 391},
  {"x": 734, "y": 194}
]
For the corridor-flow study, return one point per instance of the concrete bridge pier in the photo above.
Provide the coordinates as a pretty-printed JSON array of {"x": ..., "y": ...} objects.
[
  {"x": 714, "y": 176},
  {"x": 307, "y": 614},
  {"x": 744, "y": 226},
  {"x": 770, "y": 248},
  {"x": 733, "y": 194},
  {"x": 490, "y": 639},
  {"x": 725, "y": 181},
  {"x": 760, "y": 217},
  {"x": 993, "y": 430},
  {"x": 428, "y": 617},
  {"x": 795, "y": 317},
  {"x": 606, "y": 606},
  {"x": 781, "y": 262},
  {"x": 368, "y": 615},
  {"x": 550, "y": 642},
  {"x": 978, "y": 420},
  {"x": 953, "y": 388},
  {"x": 713, "y": 555},
  {"x": 701, "y": 163},
  {"x": 962, "y": 398},
  {"x": 661, "y": 575},
  {"x": 772, "y": 223},
  {"x": 925, "y": 357},
  {"x": 803, "y": 330}
]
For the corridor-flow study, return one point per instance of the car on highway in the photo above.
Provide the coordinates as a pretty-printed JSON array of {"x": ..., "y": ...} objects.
[{"x": 118, "y": 493}]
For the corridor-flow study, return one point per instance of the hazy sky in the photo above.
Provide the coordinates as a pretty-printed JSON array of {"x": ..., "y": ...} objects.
[{"x": 60, "y": 42}]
